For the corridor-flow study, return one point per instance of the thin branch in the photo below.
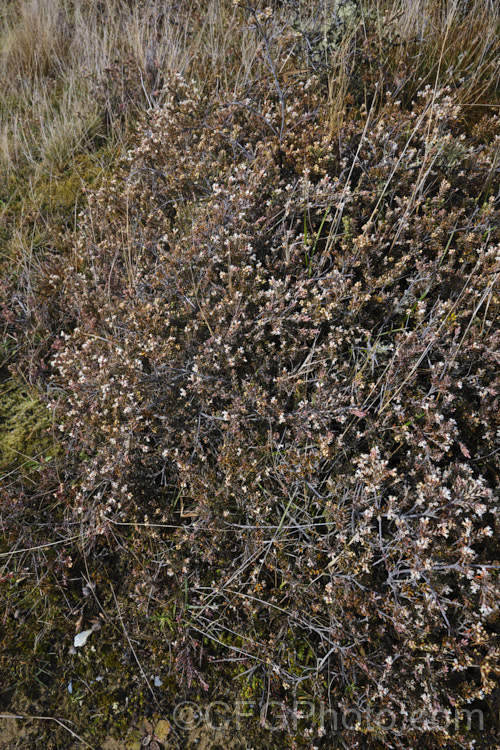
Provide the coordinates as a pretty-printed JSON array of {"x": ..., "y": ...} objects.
[{"x": 47, "y": 718}]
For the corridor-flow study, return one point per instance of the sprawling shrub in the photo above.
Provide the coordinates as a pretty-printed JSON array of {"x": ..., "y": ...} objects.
[{"x": 280, "y": 359}]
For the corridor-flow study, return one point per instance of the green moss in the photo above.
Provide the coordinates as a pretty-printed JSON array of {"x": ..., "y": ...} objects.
[
  {"x": 23, "y": 422},
  {"x": 60, "y": 193},
  {"x": 39, "y": 203}
]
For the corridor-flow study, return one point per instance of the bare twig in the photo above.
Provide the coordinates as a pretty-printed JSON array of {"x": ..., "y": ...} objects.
[{"x": 25, "y": 717}]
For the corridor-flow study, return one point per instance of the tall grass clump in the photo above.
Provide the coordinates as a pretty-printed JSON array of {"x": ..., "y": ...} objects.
[{"x": 272, "y": 366}]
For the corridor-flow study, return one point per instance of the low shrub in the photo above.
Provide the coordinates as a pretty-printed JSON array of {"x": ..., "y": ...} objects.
[{"x": 280, "y": 358}]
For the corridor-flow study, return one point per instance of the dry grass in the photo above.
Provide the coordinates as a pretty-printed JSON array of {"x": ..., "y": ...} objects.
[
  {"x": 446, "y": 43},
  {"x": 56, "y": 56}
]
